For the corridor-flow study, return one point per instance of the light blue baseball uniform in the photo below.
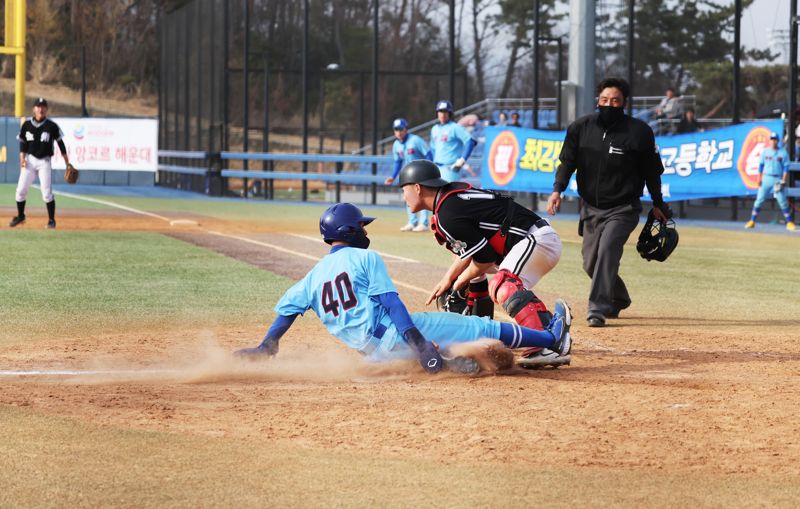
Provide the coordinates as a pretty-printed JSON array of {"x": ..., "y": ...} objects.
[
  {"x": 772, "y": 165},
  {"x": 342, "y": 290},
  {"x": 410, "y": 149},
  {"x": 449, "y": 142}
]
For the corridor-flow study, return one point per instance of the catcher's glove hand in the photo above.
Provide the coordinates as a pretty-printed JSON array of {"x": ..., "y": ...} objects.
[
  {"x": 71, "y": 174},
  {"x": 453, "y": 301}
]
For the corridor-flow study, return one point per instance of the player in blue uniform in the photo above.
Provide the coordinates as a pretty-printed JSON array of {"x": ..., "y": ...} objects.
[
  {"x": 451, "y": 144},
  {"x": 351, "y": 292},
  {"x": 773, "y": 169},
  {"x": 408, "y": 147}
]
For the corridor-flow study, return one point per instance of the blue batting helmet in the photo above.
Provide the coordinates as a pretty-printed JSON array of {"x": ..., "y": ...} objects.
[
  {"x": 343, "y": 221},
  {"x": 444, "y": 105},
  {"x": 400, "y": 124}
]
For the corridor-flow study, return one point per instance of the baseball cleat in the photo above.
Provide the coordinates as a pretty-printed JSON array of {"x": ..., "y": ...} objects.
[
  {"x": 559, "y": 327},
  {"x": 462, "y": 365},
  {"x": 791, "y": 226},
  {"x": 51, "y": 224},
  {"x": 16, "y": 220},
  {"x": 420, "y": 228},
  {"x": 750, "y": 224},
  {"x": 407, "y": 228},
  {"x": 544, "y": 358},
  {"x": 561, "y": 308}
]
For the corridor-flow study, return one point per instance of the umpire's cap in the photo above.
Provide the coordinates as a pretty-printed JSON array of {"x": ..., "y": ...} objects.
[
  {"x": 40, "y": 101},
  {"x": 422, "y": 172}
]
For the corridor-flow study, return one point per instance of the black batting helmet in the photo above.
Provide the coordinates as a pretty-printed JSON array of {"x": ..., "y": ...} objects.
[
  {"x": 422, "y": 172},
  {"x": 657, "y": 240}
]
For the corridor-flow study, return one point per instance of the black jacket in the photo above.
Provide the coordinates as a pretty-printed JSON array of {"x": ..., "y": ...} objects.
[{"x": 613, "y": 163}]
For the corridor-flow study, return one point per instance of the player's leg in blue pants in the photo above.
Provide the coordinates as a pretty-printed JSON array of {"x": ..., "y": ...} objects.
[{"x": 446, "y": 329}]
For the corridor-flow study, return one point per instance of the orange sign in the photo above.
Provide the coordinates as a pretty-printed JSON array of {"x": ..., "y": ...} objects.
[
  {"x": 757, "y": 139},
  {"x": 503, "y": 156}
]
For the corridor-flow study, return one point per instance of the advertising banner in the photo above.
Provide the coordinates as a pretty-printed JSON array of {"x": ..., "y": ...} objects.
[
  {"x": 716, "y": 163},
  {"x": 109, "y": 144}
]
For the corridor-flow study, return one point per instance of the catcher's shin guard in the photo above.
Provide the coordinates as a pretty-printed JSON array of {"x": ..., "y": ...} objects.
[{"x": 521, "y": 304}]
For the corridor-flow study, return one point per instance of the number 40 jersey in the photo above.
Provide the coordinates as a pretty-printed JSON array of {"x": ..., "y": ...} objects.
[{"x": 340, "y": 289}]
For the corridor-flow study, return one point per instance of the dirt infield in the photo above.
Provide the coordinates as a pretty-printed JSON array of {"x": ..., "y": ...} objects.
[{"x": 656, "y": 395}]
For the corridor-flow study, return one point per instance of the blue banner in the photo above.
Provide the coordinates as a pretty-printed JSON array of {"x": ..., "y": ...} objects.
[{"x": 711, "y": 164}]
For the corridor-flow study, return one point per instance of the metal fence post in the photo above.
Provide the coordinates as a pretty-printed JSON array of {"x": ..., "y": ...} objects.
[{"x": 339, "y": 168}]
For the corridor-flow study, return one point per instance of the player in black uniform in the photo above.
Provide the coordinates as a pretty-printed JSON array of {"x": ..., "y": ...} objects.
[
  {"x": 36, "y": 138},
  {"x": 487, "y": 232}
]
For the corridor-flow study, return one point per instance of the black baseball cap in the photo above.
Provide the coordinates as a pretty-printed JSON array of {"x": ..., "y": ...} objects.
[{"x": 40, "y": 101}]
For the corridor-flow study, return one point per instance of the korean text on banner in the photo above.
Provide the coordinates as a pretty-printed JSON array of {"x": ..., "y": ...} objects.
[
  {"x": 716, "y": 163},
  {"x": 109, "y": 144}
]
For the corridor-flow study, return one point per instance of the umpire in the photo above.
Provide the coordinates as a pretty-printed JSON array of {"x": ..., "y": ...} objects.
[{"x": 615, "y": 156}]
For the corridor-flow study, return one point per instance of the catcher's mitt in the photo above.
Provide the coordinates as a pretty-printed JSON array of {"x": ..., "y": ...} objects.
[
  {"x": 453, "y": 301},
  {"x": 70, "y": 174}
]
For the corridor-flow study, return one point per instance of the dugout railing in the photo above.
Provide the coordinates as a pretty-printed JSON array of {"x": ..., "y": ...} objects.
[{"x": 358, "y": 178}]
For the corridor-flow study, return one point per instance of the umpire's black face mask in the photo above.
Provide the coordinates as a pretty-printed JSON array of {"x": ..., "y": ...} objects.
[{"x": 610, "y": 115}]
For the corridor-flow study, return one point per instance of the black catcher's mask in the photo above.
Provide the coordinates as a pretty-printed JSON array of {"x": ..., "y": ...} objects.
[{"x": 657, "y": 241}]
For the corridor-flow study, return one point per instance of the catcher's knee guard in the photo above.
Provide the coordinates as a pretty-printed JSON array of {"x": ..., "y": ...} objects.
[{"x": 521, "y": 304}]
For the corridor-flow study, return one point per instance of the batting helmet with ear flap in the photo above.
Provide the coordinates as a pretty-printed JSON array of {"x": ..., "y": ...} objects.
[
  {"x": 657, "y": 240},
  {"x": 344, "y": 222}
]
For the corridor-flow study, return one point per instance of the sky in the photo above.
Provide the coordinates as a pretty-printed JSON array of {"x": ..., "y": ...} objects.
[{"x": 760, "y": 19}]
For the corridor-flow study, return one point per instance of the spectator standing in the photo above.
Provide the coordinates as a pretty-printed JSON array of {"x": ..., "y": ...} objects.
[
  {"x": 688, "y": 123},
  {"x": 773, "y": 169},
  {"x": 615, "y": 156},
  {"x": 451, "y": 144},
  {"x": 408, "y": 147}
]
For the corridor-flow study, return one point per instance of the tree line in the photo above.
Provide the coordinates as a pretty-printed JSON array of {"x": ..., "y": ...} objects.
[{"x": 684, "y": 44}]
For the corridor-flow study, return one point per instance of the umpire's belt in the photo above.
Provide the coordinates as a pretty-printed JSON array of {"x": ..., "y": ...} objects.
[{"x": 374, "y": 340}]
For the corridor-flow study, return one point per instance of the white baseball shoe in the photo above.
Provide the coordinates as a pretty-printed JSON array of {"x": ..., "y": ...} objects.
[
  {"x": 420, "y": 228},
  {"x": 535, "y": 358},
  {"x": 407, "y": 228}
]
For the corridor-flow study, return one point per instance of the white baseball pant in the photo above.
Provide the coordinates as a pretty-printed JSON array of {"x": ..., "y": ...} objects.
[{"x": 27, "y": 175}]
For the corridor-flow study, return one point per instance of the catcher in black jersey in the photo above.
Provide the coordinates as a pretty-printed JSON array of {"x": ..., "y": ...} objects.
[
  {"x": 36, "y": 138},
  {"x": 486, "y": 232}
]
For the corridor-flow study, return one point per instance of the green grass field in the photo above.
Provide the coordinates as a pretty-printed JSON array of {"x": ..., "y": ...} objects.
[{"x": 67, "y": 282}]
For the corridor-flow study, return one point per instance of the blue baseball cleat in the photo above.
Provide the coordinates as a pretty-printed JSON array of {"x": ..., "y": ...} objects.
[
  {"x": 562, "y": 320},
  {"x": 559, "y": 353}
]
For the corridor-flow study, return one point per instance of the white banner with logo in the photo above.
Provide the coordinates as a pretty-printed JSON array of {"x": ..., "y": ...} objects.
[{"x": 120, "y": 144}]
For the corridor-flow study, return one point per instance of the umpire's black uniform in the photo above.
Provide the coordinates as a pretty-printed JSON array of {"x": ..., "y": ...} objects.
[{"x": 613, "y": 164}]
